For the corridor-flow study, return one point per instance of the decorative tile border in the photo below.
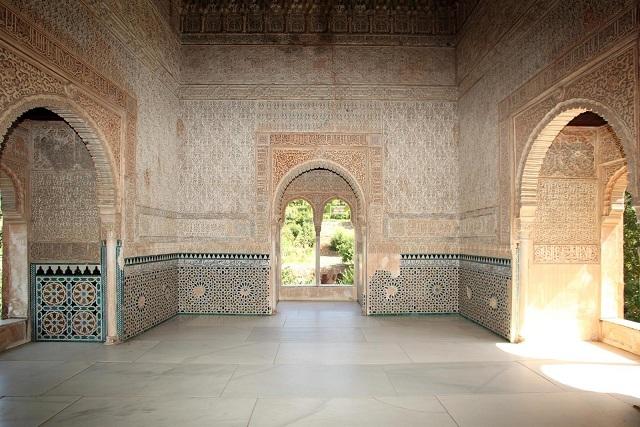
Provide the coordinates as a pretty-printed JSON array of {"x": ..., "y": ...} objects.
[
  {"x": 196, "y": 256},
  {"x": 68, "y": 302},
  {"x": 119, "y": 288}
]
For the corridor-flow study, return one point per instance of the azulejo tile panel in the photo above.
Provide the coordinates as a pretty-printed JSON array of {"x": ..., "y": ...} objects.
[
  {"x": 158, "y": 287},
  {"x": 227, "y": 284},
  {"x": 479, "y": 288},
  {"x": 426, "y": 284},
  {"x": 68, "y": 302},
  {"x": 161, "y": 286},
  {"x": 149, "y": 295},
  {"x": 485, "y": 292}
]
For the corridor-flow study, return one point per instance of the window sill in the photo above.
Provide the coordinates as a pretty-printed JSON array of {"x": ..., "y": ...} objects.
[{"x": 623, "y": 322}]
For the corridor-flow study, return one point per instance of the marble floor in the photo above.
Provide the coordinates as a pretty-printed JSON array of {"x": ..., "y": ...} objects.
[{"x": 318, "y": 364}]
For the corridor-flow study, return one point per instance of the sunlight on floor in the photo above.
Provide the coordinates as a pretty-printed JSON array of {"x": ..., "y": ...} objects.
[
  {"x": 582, "y": 352},
  {"x": 586, "y": 366},
  {"x": 600, "y": 378}
]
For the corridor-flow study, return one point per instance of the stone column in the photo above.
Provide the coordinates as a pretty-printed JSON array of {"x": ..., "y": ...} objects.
[
  {"x": 276, "y": 264},
  {"x": 15, "y": 270},
  {"x": 111, "y": 288},
  {"x": 363, "y": 277},
  {"x": 612, "y": 262},
  {"x": 525, "y": 244},
  {"x": 318, "y": 229}
]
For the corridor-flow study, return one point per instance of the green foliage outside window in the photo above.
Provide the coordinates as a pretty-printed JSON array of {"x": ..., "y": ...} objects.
[
  {"x": 343, "y": 242},
  {"x": 631, "y": 262},
  {"x": 298, "y": 240},
  {"x": 336, "y": 209}
]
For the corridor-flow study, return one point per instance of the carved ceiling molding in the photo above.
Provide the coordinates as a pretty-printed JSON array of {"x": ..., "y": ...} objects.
[
  {"x": 319, "y": 92},
  {"x": 423, "y": 17},
  {"x": 39, "y": 71},
  {"x": 319, "y": 40}
]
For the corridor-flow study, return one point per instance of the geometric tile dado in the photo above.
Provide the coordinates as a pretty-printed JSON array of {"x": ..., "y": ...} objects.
[
  {"x": 479, "y": 288},
  {"x": 158, "y": 287},
  {"x": 161, "y": 286},
  {"x": 68, "y": 302}
]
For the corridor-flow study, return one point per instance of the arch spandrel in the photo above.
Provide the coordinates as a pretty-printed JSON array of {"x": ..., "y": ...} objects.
[
  {"x": 544, "y": 134},
  {"x": 106, "y": 173}
]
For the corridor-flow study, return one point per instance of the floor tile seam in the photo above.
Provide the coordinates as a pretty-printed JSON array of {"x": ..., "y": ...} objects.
[
  {"x": 306, "y": 342},
  {"x": 226, "y": 384},
  {"x": 264, "y": 367},
  {"x": 447, "y": 410},
  {"x": 125, "y": 396},
  {"x": 145, "y": 352},
  {"x": 323, "y": 404},
  {"x": 253, "y": 409},
  {"x": 406, "y": 353},
  {"x": 620, "y": 399},
  {"x": 68, "y": 405},
  {"x": 479, "y": 387},
  {"x": 47, "y": 391},
  {"x": 513, "y": 393},
  {"x": 379, "y": 400},
  {"x": 275, "y": 356},
  {"x": 390, "y": 381},
  {"x": 540, "y": 375}
]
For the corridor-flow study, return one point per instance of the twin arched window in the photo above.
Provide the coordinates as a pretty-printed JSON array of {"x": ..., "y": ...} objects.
[{"x": 317, "y": 256}]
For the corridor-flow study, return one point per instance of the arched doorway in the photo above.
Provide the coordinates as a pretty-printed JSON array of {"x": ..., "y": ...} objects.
[
  {"x": 571, "y": 198},
  {"x": 59, "y": 198},
  {"x": 330, "y": 204}
]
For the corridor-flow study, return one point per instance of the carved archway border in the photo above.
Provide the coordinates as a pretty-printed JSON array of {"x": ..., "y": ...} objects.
[
  {"x": 543, "y": 136},
  {"x": 315, "y": 164},
  {"x": 367, "y": 177},
  {"x": 86, "y": 128},
  {"x": 12, "y": 194},
  {"x": 613, "y": 197},
  {"x": 318, "y": 203}
]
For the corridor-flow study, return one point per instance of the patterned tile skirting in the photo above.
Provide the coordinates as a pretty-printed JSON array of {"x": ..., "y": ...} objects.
[
  {"x": 485, "y": 293},
  {"x": 425, "y": 285},
  {"x": 234, "y": 285},
  {"x": 149, "y": 295},
  {"x": 479, "y": 288},
  {"x": 158, "y": 287},
  {"x": 68, "y": 302}
]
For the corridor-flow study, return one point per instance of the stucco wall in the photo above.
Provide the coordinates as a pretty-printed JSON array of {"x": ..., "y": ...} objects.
[
  {"x": 136, "y": 47},
  {"x": 504, "y": 44}
]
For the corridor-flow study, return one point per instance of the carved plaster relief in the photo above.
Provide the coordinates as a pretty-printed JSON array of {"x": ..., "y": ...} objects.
[{"x": 64, "y": 218}]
